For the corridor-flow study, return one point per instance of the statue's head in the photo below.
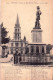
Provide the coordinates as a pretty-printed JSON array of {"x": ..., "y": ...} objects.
[{"x": 38, "y": 7}]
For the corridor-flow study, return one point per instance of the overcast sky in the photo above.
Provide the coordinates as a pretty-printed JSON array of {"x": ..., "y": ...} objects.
[{"x": 26, "y": 10}]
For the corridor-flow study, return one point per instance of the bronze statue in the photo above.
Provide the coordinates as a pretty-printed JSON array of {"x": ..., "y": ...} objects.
[{"x": 37, "y": 23}]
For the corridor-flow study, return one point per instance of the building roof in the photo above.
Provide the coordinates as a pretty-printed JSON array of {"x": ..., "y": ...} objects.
[{"x": 37, "y": 44}]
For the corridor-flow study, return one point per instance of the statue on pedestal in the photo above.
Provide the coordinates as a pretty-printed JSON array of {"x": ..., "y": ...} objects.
[{"x": 37, "y": 23}]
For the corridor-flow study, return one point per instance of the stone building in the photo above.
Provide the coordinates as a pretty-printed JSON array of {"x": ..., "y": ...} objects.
[{"x": 17, "y": 43}]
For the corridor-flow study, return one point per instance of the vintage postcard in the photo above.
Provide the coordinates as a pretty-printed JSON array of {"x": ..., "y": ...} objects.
[{"x": 26, "y": 40}]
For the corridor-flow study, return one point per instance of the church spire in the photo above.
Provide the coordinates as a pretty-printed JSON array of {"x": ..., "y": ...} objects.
[
  {"x": 17, "y": 33},
  {"x": 17, "y": 22}
]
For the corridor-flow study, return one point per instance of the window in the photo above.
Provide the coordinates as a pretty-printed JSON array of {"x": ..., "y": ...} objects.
[
  {"x": 11, "y": 51},
  {"x": 37, "y": 49},
  {"x": 32, "y": 49},
  {"x": 21, "y": 51},
  {"x": 18, "y": 35},
  {"x": 18, "y": 30},
  {"x": 16, "y": 44},
  {"x": 42, "y": 49},
  {"x": 22, "y": 44},
  {"x": 15, "y": 36},
  {"x": 11, "y": 44},
  {"x": 26, "y": 50},
  {"x": 15, "y": 30}
]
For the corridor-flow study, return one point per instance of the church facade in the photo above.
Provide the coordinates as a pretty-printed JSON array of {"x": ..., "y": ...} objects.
[{"x": 17, "y": 43}]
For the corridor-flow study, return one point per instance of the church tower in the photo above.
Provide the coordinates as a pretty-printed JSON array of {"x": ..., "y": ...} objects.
[
  {"x": 17, "y": 32},
  {"x": 37, "y": 31},
  {"x": 17, "y": 43}
]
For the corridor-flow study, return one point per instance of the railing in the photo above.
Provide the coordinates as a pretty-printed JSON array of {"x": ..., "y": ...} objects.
[{"x": 35, "y": 59}]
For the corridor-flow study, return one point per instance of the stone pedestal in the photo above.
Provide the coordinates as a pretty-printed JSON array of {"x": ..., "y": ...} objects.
[{"x": 36, "y": 35}]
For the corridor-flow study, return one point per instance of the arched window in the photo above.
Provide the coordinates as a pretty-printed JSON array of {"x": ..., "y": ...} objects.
[
  {"x": 11, "y": 51},
  {"x": 42, "y": 49},
  {"x": 26, "y": 50},
  {"x": 15, "y": 35},
  {"x": 11, "y": 44},
  {"x": 18, "y": 30},
  {"x": 16, "y": 44},
  {"x": 32, "y": 49},
  {"x": 37, "y": 49},
  {"x": 15, "y": 30},
  {"x": 21, "y": 44},
  {"x": 21, "y": 51}
]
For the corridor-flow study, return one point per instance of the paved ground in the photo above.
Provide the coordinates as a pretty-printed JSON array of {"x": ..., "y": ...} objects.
[{"x": 9, "y": 71}]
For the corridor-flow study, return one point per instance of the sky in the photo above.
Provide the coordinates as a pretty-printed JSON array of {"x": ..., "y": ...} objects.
[{"x": 26, "y": 10}]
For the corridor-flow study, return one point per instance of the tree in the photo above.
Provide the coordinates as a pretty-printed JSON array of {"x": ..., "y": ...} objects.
[
  {"x": 4, "y": 38},
  {"x": 48, "y": 48}
]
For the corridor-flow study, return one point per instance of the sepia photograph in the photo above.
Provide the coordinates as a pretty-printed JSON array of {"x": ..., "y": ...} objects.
[{"x": 26, "y": 40}]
